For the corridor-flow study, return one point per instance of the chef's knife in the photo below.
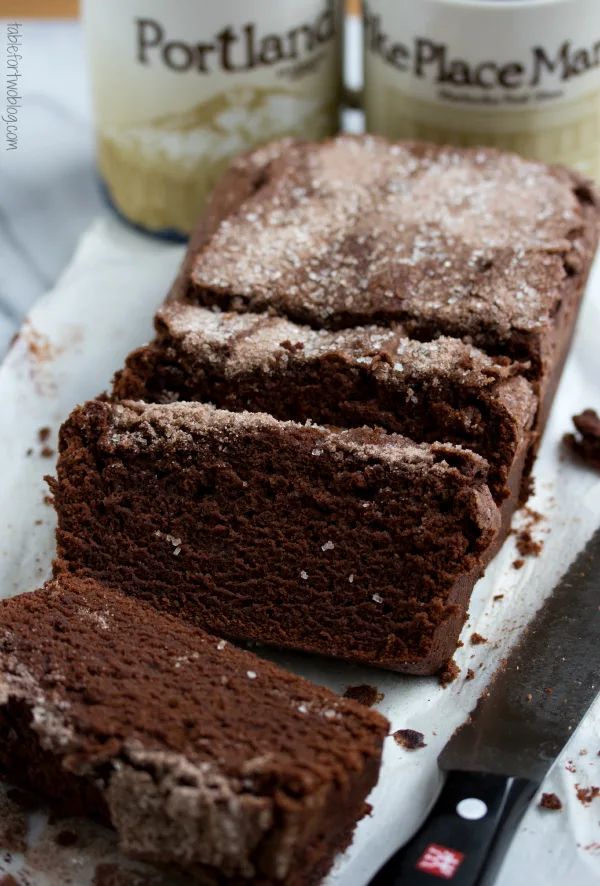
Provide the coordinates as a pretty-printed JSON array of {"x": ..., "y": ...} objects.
[{"x": 497, "y": 760}]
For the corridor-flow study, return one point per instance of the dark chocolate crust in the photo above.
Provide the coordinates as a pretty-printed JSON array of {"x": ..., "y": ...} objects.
[
  {"x": 200, "y": 755},
  {"x": 357, "y": 544}
]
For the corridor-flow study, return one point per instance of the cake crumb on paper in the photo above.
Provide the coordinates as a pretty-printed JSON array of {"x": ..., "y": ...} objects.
[
  {"x": 586, "y": 795},
  {"x": 527, "y": 545},
  {"x": 550, "y": 801},
  {"x": 449, "y": 673},
  {"x": 365, "y": 694},
  {"x": 409, "y": 739},
  {"x": 585, "y": 443},
  {"x": 477, "y": 639}
]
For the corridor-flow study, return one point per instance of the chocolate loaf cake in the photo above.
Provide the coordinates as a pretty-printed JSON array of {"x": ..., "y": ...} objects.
[
  {"x": 355, "y": 543},
  {"x": 469, "y": 243},
  {"x": 201, "y": 756},
  {"x": 442, "y": 390}
]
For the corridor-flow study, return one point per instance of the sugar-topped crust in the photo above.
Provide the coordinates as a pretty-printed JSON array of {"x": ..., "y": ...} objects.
[
  {"x": 235, "y": 344},
  {"x": 140, "y": 427},
  {"x": 359, "y": 229}
]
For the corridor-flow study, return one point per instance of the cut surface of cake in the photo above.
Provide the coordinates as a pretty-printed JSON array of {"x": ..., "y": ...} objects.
[
  {"x": 356, "y": 543},
  {"x": 200, "y": 755},
  {"x": 443, "y": 390},
  {"x": 470, "y": 243}
]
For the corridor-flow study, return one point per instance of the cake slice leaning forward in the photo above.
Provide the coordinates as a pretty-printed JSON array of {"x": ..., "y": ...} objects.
[
  {"x": 443, "y": 390},
  {"x": 356, "y": 543},
  {"x": 202, "y": 757}
]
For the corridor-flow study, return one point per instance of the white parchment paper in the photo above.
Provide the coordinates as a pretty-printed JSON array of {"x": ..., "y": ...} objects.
[{"x": 74, "y": 339}]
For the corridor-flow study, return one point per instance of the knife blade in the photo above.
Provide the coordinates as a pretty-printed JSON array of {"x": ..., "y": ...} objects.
[{"x": 496, "y": 761}]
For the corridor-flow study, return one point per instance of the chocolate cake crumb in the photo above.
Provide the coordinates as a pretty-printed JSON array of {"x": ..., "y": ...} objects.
[
  {"x": 470, "y": 674},
  {"x": 449, "y": 673},
  {"x": 527, "y": 546},
  {"x": 533, "y": 516},
  {"x": 498, "y": 596},
  {"x": 586, "y": 795},
  {"x": 43, "y": 434},
  {"x": 477, "y": 639},
  {"x": 518, "y": 564},
  {"x": 586, "y": 444},
  {"x": 364, "y": 694},
  {"x": 550, "y": 801},
  {"x": 47, "y": 452},
  {"x": 409, "y": 739},
  {"x": 38, "y": 345}
]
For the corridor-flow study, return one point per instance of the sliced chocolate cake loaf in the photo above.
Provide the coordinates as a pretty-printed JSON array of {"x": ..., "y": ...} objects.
[
  {"x": 356, "y": 543},
  {"x": 469, "y": 243},
  {"x": 201, "y": 756},
  {"x": 441, "y": 390}
]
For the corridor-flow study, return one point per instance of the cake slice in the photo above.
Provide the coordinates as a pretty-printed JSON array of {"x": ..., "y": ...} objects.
[
  {"x": 201, "y": 756},
  {"x": 352, "y": 543},
  {"x": 469, "y": 243},
  {"x": 441, "y": 390}
]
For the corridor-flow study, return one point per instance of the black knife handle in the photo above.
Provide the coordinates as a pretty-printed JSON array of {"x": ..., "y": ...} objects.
[{"x": 455, "y": 846}]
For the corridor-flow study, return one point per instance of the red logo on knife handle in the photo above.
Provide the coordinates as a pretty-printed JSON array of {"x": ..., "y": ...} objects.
[{"x": 440, "y": 861}]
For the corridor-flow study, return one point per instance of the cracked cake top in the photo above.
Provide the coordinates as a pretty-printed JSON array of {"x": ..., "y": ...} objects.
[{"x": 357, "y": 230}]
